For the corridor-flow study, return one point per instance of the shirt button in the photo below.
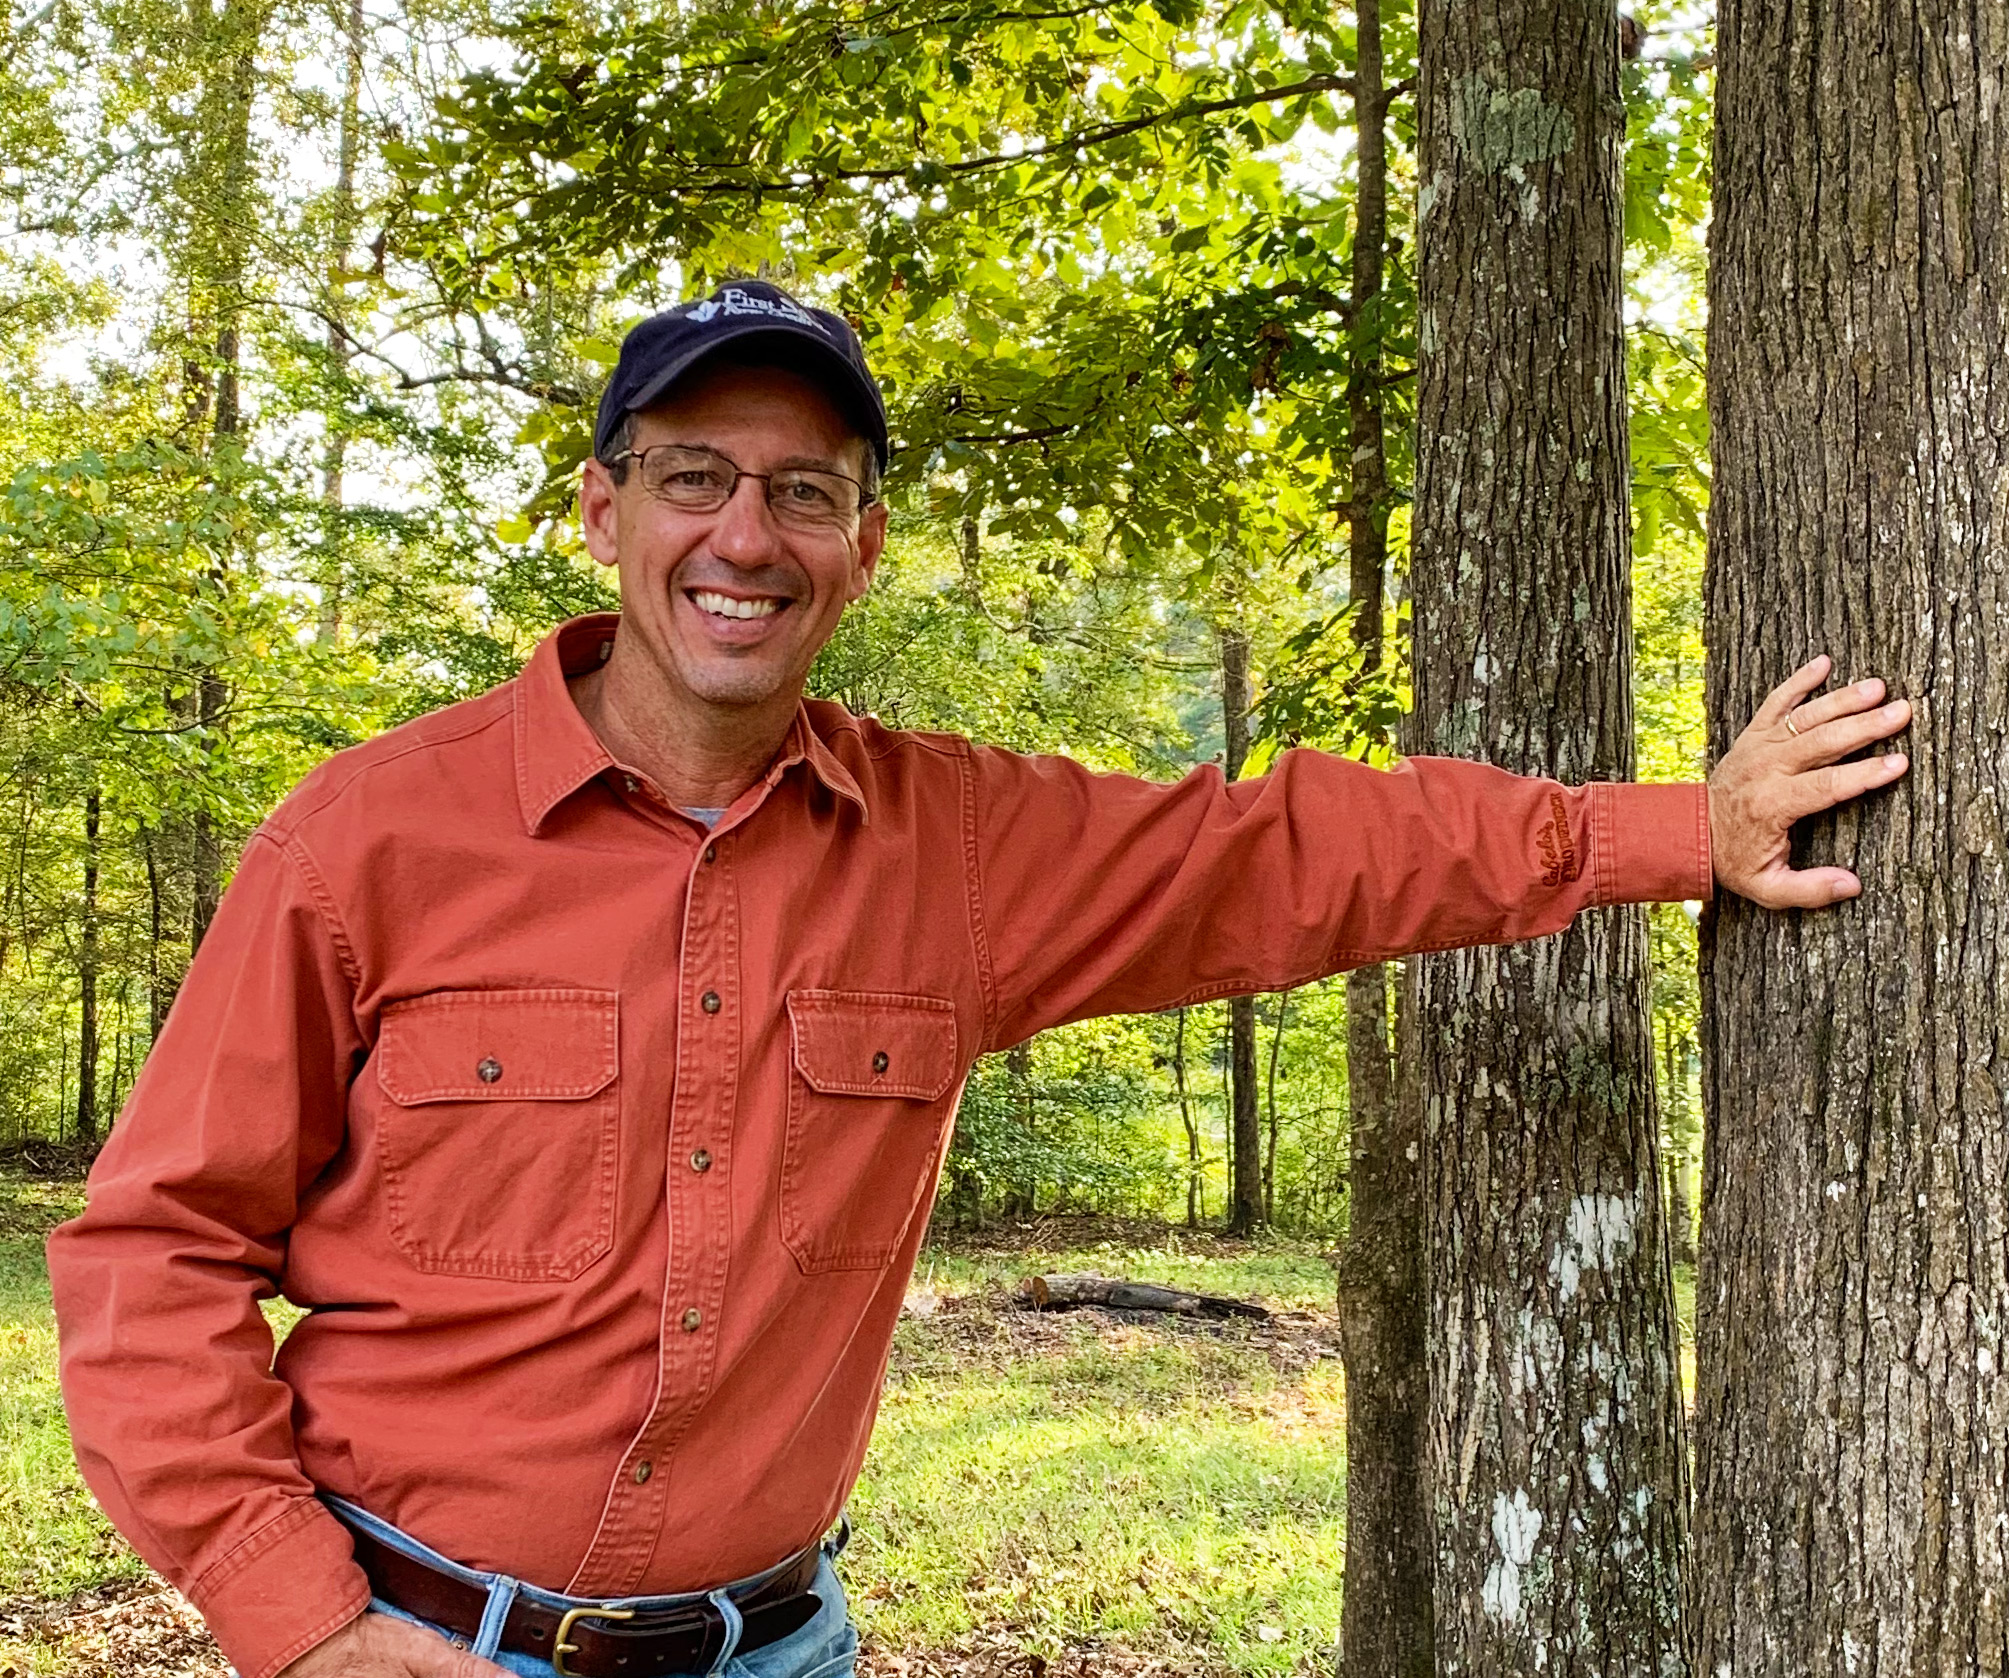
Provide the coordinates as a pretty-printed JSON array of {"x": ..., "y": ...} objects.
[
  {"x": 489, "y": 1070},
  {"x": 632, "y": 782},
  {"x": 880, "y": 1062},
  {"x": 709, "y": 1002},
  {"x": 692, "y": 1318},
  {"x": 701, "y": 1160},
  {"x": 642, "y": 1472},
  {"x": 711, "y": 853}
]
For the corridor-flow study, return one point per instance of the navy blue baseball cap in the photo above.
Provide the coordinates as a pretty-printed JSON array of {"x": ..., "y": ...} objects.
[{"x": 749, "y": 314}]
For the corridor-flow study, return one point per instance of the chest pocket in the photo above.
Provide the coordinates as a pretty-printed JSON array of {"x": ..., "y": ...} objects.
[
  {"x": 867, "y": 1106},
  {"x": 500, "y": 1135}
]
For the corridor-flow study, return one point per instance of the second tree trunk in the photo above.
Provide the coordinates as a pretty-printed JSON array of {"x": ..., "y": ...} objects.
[{"x": 1554, "y": 1455}]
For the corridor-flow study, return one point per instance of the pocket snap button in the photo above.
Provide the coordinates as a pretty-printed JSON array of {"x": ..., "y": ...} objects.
[
  {"x": 880, "y": 1061},
  {"x": 489, "y": 1070}
]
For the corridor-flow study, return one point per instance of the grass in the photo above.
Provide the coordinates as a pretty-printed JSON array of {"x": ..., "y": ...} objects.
[
  {"x": 1074, "y": 1482},
  {"x": 53, "y": 1540}
]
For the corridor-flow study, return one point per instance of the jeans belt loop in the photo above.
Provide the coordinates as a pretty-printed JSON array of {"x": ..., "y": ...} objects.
[
  {"x": 735, "y": 1626},
  {"x": 501, "y": 1598}
]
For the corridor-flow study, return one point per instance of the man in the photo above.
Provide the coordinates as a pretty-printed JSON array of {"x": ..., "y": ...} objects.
[{"x": 582, "y": 1058}]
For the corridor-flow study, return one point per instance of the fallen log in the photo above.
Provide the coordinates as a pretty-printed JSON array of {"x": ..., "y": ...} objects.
[{"x": 1065, "y": 1293}]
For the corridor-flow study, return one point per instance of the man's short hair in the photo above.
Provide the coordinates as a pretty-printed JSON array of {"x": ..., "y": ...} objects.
[{"x": 749, "y": 356}]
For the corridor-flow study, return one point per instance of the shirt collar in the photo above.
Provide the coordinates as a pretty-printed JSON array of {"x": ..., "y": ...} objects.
[{"x": 557, "y": 753}]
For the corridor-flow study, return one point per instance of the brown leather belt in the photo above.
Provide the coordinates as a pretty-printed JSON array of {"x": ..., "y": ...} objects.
[{"x": 588, "y": 1642}]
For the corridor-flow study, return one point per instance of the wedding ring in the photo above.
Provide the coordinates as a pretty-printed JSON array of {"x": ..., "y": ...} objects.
[{"x": 1790, "y": 729}]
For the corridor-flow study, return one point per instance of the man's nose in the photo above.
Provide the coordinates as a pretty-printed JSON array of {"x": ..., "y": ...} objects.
[{"x": 743, "y": 530}]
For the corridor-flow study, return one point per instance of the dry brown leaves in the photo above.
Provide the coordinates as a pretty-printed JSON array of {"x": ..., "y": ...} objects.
[{"x": 132, "y": 1628}]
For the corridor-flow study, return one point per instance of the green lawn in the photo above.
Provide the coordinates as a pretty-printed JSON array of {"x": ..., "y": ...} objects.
[{"x": 1074, "y": 1481}]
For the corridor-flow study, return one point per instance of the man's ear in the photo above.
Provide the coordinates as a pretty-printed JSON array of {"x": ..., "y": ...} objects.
[
  {"x": 600, "y": 513},
  {"x": 871, "y": 543}
]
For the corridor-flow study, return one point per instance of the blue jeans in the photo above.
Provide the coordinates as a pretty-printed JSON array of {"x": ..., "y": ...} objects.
[{"x": 825, "y": 1648}]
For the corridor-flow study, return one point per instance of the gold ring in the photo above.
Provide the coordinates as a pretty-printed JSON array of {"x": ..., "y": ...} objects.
[{"x": 1790, "y": 729}]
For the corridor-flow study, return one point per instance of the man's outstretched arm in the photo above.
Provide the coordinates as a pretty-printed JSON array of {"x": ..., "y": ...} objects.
[{"x": 1099, "y": 894}]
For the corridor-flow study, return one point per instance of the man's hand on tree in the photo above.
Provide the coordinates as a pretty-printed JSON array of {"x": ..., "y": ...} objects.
[
  {"x": 377, "y": 1646},
  {"x": 1786, "y": 766}
]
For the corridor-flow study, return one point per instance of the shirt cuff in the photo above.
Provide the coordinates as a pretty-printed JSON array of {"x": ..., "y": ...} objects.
[
  {"x": 1650, "y": 844},
  {"x": 290, "y": 1585}
]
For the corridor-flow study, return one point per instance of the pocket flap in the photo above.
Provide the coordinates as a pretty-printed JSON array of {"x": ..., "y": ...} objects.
[
  {"x": 499, "y": 1045},
  {"x": 851, "y": 1042}
]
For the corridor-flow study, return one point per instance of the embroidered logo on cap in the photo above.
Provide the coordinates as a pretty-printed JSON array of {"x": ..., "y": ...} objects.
[{"x": 733, "y": 301}]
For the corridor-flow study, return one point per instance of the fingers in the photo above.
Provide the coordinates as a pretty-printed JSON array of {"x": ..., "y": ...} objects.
[
  {"x": 1823, "y": 789},
  {"x": 1839, "y": 702},
  {"x": 1847, "y": 733},
  {"x": 1795, "y": 688}
]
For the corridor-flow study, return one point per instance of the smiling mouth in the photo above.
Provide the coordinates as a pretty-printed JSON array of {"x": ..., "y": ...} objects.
[{"x": 725, "y": 606}]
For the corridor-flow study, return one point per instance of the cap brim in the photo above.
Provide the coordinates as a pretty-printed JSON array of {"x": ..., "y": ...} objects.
[{"x": 860, "y": 400}]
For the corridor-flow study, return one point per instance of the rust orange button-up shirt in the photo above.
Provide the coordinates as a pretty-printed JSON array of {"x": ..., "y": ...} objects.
[{"x": 598, "y": 1146}]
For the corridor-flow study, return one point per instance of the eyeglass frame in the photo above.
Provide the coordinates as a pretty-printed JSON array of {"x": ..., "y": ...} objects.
[{"x": 866, "y": 497}]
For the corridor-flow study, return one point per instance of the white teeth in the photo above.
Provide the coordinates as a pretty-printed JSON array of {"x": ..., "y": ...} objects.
[{"x": 727, "y": 607}]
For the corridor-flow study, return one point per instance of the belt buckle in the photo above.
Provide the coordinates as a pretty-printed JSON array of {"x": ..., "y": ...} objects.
[{"x": 560, "y": 1648}]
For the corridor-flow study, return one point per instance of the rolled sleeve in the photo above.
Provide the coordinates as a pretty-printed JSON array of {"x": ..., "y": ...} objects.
[{"x": 287, "y": 1587}]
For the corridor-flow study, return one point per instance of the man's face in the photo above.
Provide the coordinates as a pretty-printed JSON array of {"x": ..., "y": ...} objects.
[{"x": 730, "y": 607}]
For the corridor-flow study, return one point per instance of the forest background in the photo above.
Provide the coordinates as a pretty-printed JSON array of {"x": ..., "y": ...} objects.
[{"x": 304, "y": 308}]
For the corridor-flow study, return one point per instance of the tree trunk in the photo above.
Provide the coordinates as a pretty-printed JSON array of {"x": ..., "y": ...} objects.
[
  {"x": 1195, "y": 1206},
  {"x": 1556, "y": 1466},
  {"x": 87, "y": 977},
  {"x": 1386, "y": 1630},
  {"x": 1387, "y": 1625},
  {"x": 1270, "y": 1141},
  {"x": 1024, "y": 1199},
  {"x": 1245, "y": 1125},
  {"x": 218, "y": 260},
  {"x": 1853, "y": 1416},
  {"x": 333, "y": 568}
]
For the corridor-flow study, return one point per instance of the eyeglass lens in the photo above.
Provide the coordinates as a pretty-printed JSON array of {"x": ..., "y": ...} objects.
[{"x": 702, "y": 481}]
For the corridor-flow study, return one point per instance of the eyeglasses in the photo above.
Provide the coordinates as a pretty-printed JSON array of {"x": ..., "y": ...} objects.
[{"x": 703, "y": 481}]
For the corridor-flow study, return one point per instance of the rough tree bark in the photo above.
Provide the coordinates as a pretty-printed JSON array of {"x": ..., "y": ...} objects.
[
  {"x": 1853, "y": 1417},
  {"x": 1245, "y": 1197},
  {"x": 1555, "y": 1461},
  {"x": 1386, "y": 1630}
]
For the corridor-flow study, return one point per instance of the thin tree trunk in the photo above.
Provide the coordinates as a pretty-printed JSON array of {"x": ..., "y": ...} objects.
[
  {"x": 1195, "y": 1207},
  {"x": 1852, "y": 1416},
  {"x": 1245, "y": 1202},
  {"x": 1270, "y": 1143},
  {"x": 218, "y": 259},
  {"x": 87, "y": 977},
  {"x": 157, "y": 999},
  {"x": 1018, "y": 1065},
  {"x": 1556, "y": 1464},
  {"x": 1386, "y": 1631},
  {"x": 334, "y": 459}
]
